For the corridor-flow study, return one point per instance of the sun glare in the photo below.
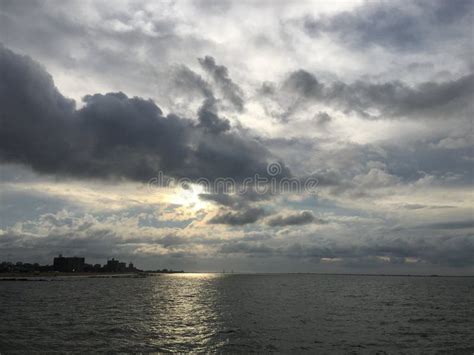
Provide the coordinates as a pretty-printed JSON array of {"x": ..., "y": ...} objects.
[{"x": 189, "y": 197}]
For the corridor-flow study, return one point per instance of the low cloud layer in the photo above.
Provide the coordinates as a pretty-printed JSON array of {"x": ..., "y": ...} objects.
[
  {"x": 294, "y": 219},
  {"x": 126, "y": 236},
  {"x": 238, "y": 218}
]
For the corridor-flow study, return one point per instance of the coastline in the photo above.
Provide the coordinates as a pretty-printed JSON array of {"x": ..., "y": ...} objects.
[{"x": 52, "y": 276}]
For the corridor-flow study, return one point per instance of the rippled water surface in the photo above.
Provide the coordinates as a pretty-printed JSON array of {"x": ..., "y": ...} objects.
[{"x": 212, "y": 312}]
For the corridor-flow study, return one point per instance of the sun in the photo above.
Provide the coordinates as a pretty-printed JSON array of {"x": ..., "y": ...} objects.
[{"x": 189, "y": 197}]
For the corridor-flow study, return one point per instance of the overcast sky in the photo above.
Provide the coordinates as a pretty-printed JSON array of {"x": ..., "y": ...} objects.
[{"x": 371, "y": 99}]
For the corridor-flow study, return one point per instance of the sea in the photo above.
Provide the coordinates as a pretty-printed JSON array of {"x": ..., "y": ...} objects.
[{"x": 285, "y": 313}]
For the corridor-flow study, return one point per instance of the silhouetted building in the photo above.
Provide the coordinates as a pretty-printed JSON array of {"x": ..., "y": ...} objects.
[
  {"x": 115, "y": 266},
  {"x": 68, "y": 264},
  {"x": 112, "y": 265},
  {"x": 92, "y": 268}
]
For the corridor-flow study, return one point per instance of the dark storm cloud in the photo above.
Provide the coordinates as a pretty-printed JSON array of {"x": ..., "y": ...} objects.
[
  {"x": 238, "y": 218},
  {"x": 33, "y": 113},
  {"x": 392, "y": 99},
  {"x": 294, "y": 219},
  {"x": 220, "y": 75},
  {"x": 112, "y": 135},
  {"x": 400, "y": 25}
]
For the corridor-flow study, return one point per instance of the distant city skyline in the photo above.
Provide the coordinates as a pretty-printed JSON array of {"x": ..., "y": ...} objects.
[{"x": 68, "y": 264}]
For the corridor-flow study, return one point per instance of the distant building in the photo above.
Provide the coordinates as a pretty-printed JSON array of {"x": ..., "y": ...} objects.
[
  {"x": 115, "y": 266},
  {"x": 68, "y": 264},
  {"x": 112, "y": 265},
  {"x": 92, "y": 268}
]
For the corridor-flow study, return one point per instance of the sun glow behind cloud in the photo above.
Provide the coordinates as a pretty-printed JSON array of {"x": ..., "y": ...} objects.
[{"x": 189, "y": 198}]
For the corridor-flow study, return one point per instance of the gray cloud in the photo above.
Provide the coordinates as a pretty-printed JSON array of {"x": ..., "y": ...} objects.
[
  {"x": 238, "y": 218},
  {"x": 417, "y": 206},
  {"x": 21, "y": 205},
  {"x": 209, "y": 120},
  {"x": 221, "y": 199},
  {"x": 219, "y": 73},
  {"x": 250, "y": 249},
  {"x": 360, "y": 169},
  {"x": 187, "y": 80},
  {"x": 242, "y": 199},
  {"x": 305, "y": 84},
  {"x": 397, "y": 24},
  {"x": 294, "y": 219},
  {"x": 184, "y": 79},
  {"x": 322, "y": 118},
  {"x": 449, "y": 225},
  {"x": 392, "y": 99}
]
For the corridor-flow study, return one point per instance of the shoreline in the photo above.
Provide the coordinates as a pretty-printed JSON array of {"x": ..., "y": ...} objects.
[
  {"x": 61, "y": 276},
  {"x": 51, "y": 276}
]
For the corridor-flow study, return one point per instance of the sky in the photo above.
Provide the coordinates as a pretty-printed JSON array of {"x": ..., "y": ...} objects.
[{"x": 119, "y": 120}]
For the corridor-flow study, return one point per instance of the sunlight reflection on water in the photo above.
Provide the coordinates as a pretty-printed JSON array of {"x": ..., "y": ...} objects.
[
  {"x": 239, "y": 313},
  {"x": 185, "y": 310}
]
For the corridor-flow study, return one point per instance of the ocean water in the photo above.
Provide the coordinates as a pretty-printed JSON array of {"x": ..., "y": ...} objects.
[{"x": 240, "y": 313}]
